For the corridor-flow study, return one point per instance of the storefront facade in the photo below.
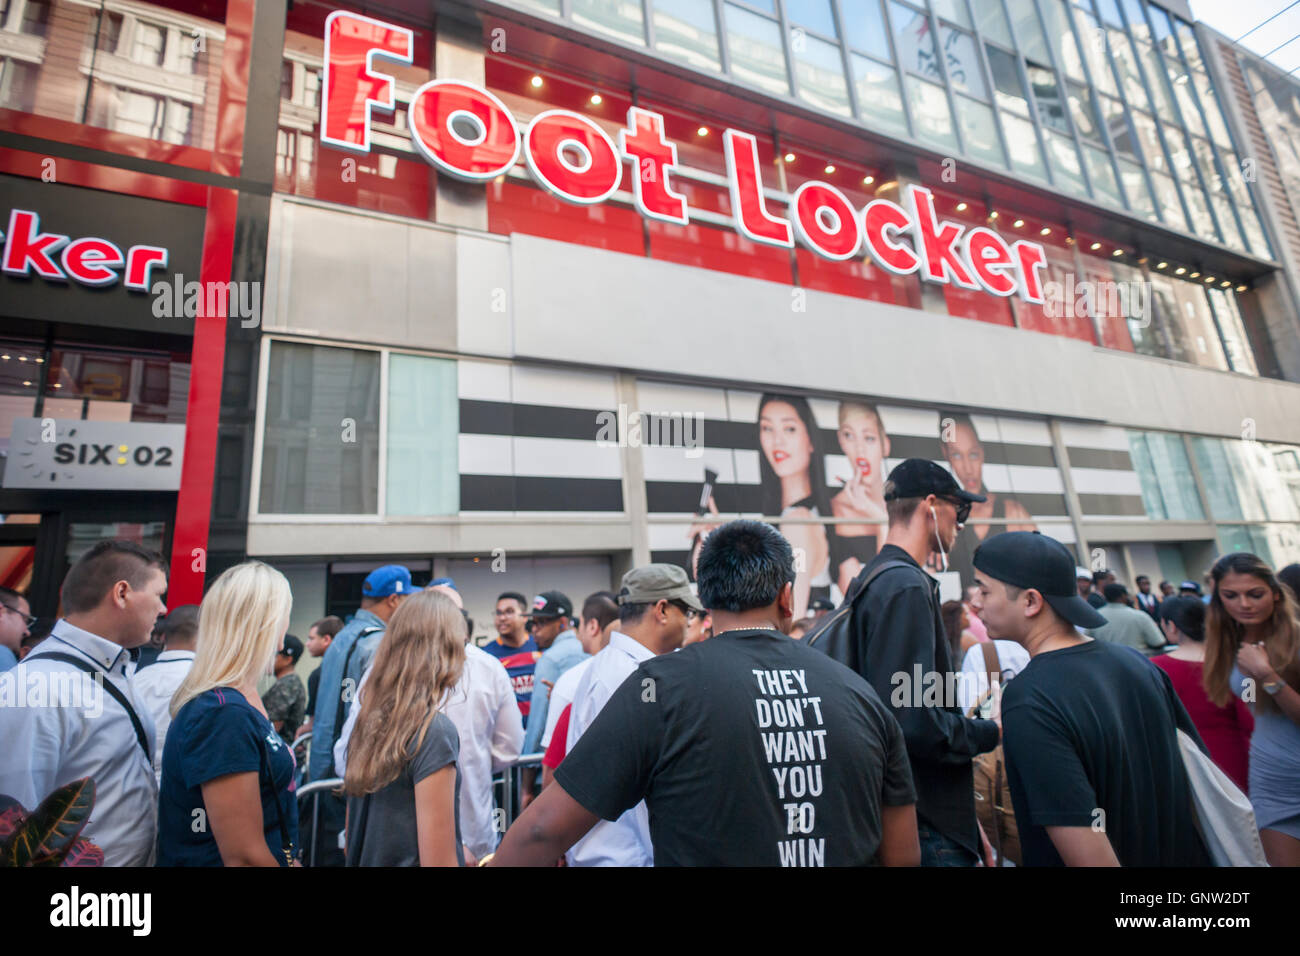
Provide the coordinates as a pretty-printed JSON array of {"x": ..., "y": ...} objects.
[{"x": 543, "y": 280}]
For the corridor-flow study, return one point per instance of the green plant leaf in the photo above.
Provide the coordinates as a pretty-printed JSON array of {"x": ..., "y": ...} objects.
[{"x": 47, "y": 835}]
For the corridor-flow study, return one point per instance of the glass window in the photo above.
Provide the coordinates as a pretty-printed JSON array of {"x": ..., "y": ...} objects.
[
  {"x": 1081, "y": 111},
  {"x": 176, "y": 127},
  {"x": 614, "y": 17},
  {"x": 961, "y": 59},
  {"x": 1130, "y": 78},
  {"x": 877, "y": 88},
  {"x": 1149, "y": 140},
  {"x": 36, "y": 18},
  {"x": 914, "y": 41},
  {"x": 18, "y": 84},
  {"x": 1171, "y": 209},
  {"x": 1115, "y": 118},
  {"x": 1028, "y": 30},
  {"x": 148, "y": 44},
  {"x": 1210, "y": 104},
  {"x": 1228, "y": 225},
  {"x": 1022, "y": 142},
  {"x": 1156, "y": 78},
  {"x": 864, "y": 27},
  {"x": 423, "y": 475},
  {"x": 110, "y": 32},
  {"x": 1198, "y": 322},
  {"x": 1161, "y": 32},
  {"x": 1065, "y": 162},
  {"x": 1165, "y": 474},
  {"x": 1007, "y": 88},
  {"x": 1180, "y": 154},
  {"x": 952, "y": 10},
  {"x": 757, "y": 56},
  {"x": 1102, "y": 174},
  {"x": 1061, "y": 37},
  {"x": 1093, "y": 38},
  {"x": 1187, "y": 41},
  {"x": 992, "y": 22},
  {"x": 1136, "y": 189},
  {"x": 1110, "y": 12},
  {"x": 813, "y": 14},
  {"x": 1181, "y": 82},
  {"x": 320, "y": 444},
  {"x": 930, "y": 112},
  {"x": 685, "y": 29},
  {"x": 111, "y": 385},
  {"x": 1051, "y": 108},
  {"x": 978, "y": 130},
  {"x": 819, "y": 73},
  {"x": 1233, "y": 332},
  {"x": 1228, "y": 471}
]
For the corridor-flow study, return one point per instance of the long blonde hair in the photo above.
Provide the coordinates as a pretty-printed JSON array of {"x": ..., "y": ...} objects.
[
  {"x": 241, "y": 621},
  {"x": 1223, "y": 634},
  {"x": 419, "y": 660}
]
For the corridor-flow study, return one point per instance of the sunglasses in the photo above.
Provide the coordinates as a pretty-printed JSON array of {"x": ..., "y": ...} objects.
[{"x": 963, "y": 508}]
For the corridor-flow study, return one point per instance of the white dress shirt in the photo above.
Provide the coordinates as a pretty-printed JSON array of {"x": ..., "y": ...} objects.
[
  {"x": 483, "y": 707},
  {"x": 625, "y": 841},
  {"x": 58, "y": 725},
  {"x": 561, "y": 697},
  {"x": 154, "y": 687}
]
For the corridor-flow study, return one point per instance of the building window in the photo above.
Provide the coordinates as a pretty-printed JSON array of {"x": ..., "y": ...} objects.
[
  {"x": 320, "y": 442},
  {"x": 864, "y": 27},
  {"x": 685, "y": 30},
  {"x": 1168, "y": 488},
  {"x": 819, "y": 72},
  {"x": 618, "y": 18},
  {"x": 18, "y": 84},
  {"x": 879, "y": 101},
  {"x": 757, "y": 56},
  {"x": 149, "y": 43},
  {"x": 423, "y": 476}
]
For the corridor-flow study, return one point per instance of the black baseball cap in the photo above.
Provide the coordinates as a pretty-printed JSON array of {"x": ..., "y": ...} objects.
[
  {"x": 1030, "y": 559},
  {"x": 550, "y": 604},
  {"x": 918, "y": 477},
  {"x": 292, "y": 648}
]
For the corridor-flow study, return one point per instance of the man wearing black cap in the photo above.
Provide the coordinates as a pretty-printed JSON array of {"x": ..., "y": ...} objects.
[
  {"x": 1093, "y": 760},
  {"x": 286, "y": 701},
  {"x": 558, "y": 641},
  {"x": 897, "y": 639}
]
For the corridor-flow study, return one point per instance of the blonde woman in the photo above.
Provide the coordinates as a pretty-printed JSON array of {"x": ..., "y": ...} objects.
[
  {"x": 1252, "y": 652},
  {"x": 401, "y": 780},
  {"x": 226, "y": 796}
]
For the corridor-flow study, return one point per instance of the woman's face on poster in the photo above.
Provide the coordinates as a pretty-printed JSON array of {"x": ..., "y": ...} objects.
[
  {"x": 965, "y": 455},
  {"x": 784, "y": 439},
  {"x": 863, "y": 444}
]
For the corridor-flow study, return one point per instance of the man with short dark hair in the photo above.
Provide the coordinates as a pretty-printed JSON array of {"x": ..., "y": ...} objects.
[
  {"x": 155, "y": 684},
  {"x": 319, "y": 637},
  {"x": 897, "y": 640},
  {"x": 87, "y": 721},
  {"x": 1094, "y": 765},
  {"x": 1147, "y": 602},
  {"x": 514, "y": 647},
  {"x": 286, "y": 700},
  {"x": 748, "y": 749},
  {"x": 15, "y": 619},
  {"x": 1097, "y": 596},
  {"x": 599, "y": 610},
  {"x": 1124, "y": 624}
]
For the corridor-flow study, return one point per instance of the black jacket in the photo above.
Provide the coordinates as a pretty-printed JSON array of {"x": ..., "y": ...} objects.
[{"x": 900, "y": 639}]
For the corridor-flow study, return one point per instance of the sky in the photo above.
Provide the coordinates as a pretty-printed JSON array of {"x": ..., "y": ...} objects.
[{"x": 1233, "y": 18}]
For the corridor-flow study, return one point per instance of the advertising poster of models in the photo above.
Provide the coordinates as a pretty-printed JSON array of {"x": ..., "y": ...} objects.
[{"x": 816, "y": 467}]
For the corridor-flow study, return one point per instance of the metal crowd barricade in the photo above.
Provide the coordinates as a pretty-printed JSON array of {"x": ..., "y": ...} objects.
[
  {"x": 510, "y": 785},
  {"x": 314, "y": 790}
]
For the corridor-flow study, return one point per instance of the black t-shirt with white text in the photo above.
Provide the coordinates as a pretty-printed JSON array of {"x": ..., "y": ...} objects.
[
  {"x": 749, "y": 749},
  {"x": 1089, "y": 738}
]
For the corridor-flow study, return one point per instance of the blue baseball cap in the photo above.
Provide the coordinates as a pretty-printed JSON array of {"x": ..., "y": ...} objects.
[
  {"x": 390, "y": 579},
  {"x": 444, "y": 581}
]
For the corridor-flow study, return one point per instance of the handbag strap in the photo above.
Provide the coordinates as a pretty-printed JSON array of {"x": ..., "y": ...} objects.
[
  {"x": 110, "y": 688},
  {"x": 285, "y": 842},
  {"x": 991, "y": 664}
]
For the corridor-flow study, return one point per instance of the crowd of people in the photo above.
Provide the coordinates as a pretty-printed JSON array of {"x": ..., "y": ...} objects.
[{"x": 734, "y": 721}]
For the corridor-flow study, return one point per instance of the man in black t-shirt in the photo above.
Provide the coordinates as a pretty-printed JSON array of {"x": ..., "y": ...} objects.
[
  {"x": 1089, "y": 728},
  {"x": 749, "y": 748}
]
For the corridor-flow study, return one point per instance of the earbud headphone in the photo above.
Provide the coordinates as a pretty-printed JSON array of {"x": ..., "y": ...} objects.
[{"x": 937, "y": 539}]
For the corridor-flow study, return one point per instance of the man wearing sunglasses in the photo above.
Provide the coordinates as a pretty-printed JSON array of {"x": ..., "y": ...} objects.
[
  {"x": 898, "y": 639},
  {"x": 15, "y": 621}
]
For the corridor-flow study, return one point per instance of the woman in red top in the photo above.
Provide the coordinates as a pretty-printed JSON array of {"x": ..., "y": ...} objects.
[{"x": 1226, "y": 730}]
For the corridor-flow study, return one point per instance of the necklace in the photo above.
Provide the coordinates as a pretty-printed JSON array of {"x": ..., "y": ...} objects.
[{"x": 730, "y": 629}]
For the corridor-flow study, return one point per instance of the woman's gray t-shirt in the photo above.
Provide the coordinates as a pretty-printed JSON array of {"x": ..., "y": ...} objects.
[{"x": 385, "y": 831}]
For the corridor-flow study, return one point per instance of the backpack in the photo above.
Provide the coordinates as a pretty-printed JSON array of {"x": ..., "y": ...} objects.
[
  {"x": 992, "y": 792},
  {"x": 835, "y": 635}
]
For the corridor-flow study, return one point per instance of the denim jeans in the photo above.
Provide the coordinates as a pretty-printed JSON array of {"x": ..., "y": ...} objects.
[{"x": 938, "y": 850}]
